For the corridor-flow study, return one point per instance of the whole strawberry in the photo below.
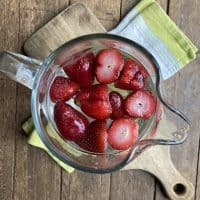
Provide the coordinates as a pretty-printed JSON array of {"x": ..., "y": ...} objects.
[
  {"x": 116, "y": 101},
  {"x": 62, "y": 89},
  {"x": 95, "y": 138},
  {"x": 94, "y": 101},
  {"x": 132, "y": 76},
  {"x": 70, "y": 123},
  {"x": 81, "y": 70}
]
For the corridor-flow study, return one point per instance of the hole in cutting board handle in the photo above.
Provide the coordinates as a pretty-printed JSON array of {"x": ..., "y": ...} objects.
[{"x": 179, "y": 189}]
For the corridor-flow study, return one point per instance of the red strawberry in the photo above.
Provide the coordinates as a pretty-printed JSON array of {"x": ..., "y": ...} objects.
[
  {"x": 132, "y": 76},
  {"x": 81, "y": 70},
  {"x": 116, "y": 101},
  {"x": 143, "y": 71},
  {"x": 71, "y": 123},
  {"x": 138, "y": 81},
  {"x": 62, "y": 89},
  {"x": 123, "y": 133},
  {"x": 140, "y": 104},
  {"x": 109, "y": 63},
  {"x": 99, "y": 92},
  {"x": 94, "y": 101},
  {"x": 95, "y": 138},
  {"x": 97, "y": 109}
]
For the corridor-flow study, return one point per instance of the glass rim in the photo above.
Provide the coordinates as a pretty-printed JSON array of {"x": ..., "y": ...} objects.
[{"x": 50, "y": 58}]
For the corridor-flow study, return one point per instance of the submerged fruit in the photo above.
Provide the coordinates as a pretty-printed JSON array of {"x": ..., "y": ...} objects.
[
  {"x": 81, "y": 70},
  {"x": 109, "y": 63},
  {"x": 95, "y": 138},
  {"x": 116, "y": 101},
  {"x": 94, "y": 101},
  {"x": 62, "y": 89},
  {"x": 140, "y": 104},
  {"x": 122, "y": 133},
  {"x": 132, "y": 76},
  {"x": 70, "y": 123}
]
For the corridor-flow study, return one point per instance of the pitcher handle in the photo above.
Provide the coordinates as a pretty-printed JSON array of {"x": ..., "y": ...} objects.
[{"x": 19, "y": 68}]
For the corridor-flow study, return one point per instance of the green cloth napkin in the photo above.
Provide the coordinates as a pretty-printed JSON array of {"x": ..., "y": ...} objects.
[
  {"x": 148, "y": 25},
  {"x": 36, "y": 141}
]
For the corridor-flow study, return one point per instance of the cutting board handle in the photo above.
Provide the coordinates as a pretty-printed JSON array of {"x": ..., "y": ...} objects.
[{"x": 157, "y": 161}]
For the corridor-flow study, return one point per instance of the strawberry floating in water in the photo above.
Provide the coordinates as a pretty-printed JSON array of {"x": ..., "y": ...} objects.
[
  {"x": 140, "y": 104},
  {"x": 116, "y": 101},
  {"x": 123, "y": 133},
  {"x": 71, "y": 123},
  {"x": 95, "y": 138},
  {"x": 81, "y": 70},
  {"x": 94, "y": 101},
  {"x": 132, "y": 76},
  {"x": 62, "y": 89},
  {"x": 109, "y": 63}
]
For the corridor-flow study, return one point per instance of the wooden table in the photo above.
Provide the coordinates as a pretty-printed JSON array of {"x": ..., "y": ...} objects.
[{"x": 28, "y": 173}]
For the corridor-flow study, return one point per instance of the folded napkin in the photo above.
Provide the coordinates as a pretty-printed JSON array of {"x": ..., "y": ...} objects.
[
  {"x": 148, "y": 25},
  {"x": 36, "y": 141}
]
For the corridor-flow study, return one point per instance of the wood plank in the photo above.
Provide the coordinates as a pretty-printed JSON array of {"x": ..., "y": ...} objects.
[
  {"x": 50, "y": 8},
  {"x": 36, "y": 175},
  {"x": 128, "y": 5},
  {"x": 83, "y": 185},
  {"x": 108, "y": 12},
  {"x": 186, "y": 84},
  {"x": 43, "y": 5},
  {"x": 74, "y": 21},
  {"x": 8, "y": 40}
]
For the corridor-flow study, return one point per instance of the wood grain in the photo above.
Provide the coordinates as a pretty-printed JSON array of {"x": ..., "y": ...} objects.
[
  {"x": 108, "y": 11},
  {"x": 9, "y": 39},
  {"x": 60, "y": 29},
  {"x": 84, "y": 186},
  {"x": 34, "y": 169},
  {"x": 186, "y": 84}
]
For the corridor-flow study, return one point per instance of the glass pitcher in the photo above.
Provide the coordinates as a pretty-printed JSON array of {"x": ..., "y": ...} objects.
[{"x": 168, "y": 126}]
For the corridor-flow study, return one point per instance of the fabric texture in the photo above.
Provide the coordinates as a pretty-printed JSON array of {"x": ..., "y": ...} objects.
[{"x": 149, "y": 25}]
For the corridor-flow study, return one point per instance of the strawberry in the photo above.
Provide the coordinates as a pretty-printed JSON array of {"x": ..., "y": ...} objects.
[
  {"x": 81, "y": 70},
  {"x": 97, "y": 109},
  {"x": 70, "y": 123},
  {"x": 116, "y": 101},
  {"x": 140, "y": 104},
  {"x": 95, "y": 138},
  {"x": 138, "y": 81},
  {"x": 62, "y": 89},
  {"x": 94, "y": 101},
  {"x": 109, "y": 63},
  {"x": 132, "y": 76},
  {"x": 122, "y": 133}
]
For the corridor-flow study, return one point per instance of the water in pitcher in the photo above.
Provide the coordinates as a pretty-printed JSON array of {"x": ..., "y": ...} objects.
[{"x": 124, "y": 93}]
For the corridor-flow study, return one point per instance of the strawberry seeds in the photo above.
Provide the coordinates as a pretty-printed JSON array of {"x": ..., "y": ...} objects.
[{"x": 113, "y": 115}]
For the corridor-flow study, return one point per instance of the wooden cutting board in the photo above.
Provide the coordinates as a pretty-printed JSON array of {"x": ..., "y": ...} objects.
[{"x": 78, "y": 20}]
